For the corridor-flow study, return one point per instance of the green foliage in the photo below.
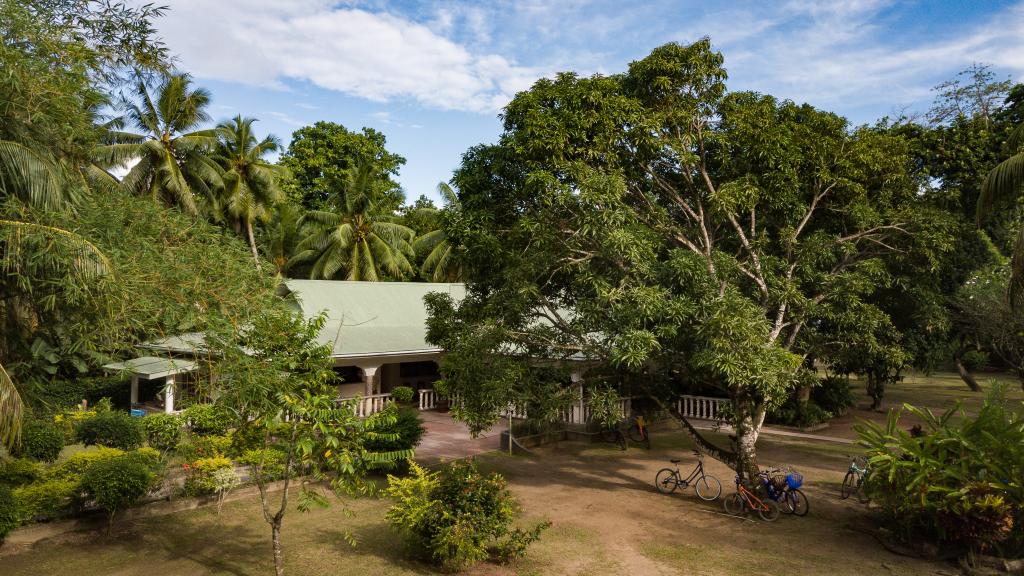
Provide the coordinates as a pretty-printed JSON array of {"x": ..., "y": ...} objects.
[
  {"x": 833, "y": 394},
  {"x": 114, "y": 429},
  {"x": 458, "y": 516},
  {"x": 42, "y": 440},
  {"x": 79, "y": 462},
  {"x": 117, "y": 483},
  {"x": 959, "y": 482},
  {"x": 206, "y": 476},
  {"x": 163, "y": 431},
  {"x": 46, "y": 499},
  {"x": 356, "y": 240},
  {"x": 402, "y": 394},
  {"x": 207, "y": 420},
  {"x": 324, "y": 154},
  {"x": 18, "y": 471},
  {"x": 403, "y": 434},
  {"x": 8, "y": 512},
  {"x": 975, "y": 360},
  {"x": 266, "y": 464}
]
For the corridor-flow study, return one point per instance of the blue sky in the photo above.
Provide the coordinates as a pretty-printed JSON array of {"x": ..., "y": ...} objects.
[{"x": 433, "y": 75}]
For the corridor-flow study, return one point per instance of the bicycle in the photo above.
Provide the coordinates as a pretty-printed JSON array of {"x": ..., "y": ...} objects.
[
  {"x": 785, "y": 490},
  {"x": 856, "y": 476},
  {"x": 707, "y": 487},
  {"x": 613, "y": 435},
  {"x": 742, "y": 499},
  {"x": 638, "y": 432}
]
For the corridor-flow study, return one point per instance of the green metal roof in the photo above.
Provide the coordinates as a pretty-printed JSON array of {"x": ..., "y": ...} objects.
[
  {"x": 367, "y": 319},
  {"x": 153, "y": 367}
]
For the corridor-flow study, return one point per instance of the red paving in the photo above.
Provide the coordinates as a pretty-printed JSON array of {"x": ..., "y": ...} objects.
[{"x": 447, "y": 439}]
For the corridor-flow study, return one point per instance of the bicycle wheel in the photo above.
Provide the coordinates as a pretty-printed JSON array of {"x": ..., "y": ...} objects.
[
  {"x": 708, "y": 488},
  {"x": 795, "y": 503},
  {"x": 666, "y": 481},
  {"x": 849, "y": 485},
  {"x": 635, "y": 434},
  {"x": 770, "y": 511},
  {"x": 621, "y": 439},
  {"x": 734, "y": 504}
]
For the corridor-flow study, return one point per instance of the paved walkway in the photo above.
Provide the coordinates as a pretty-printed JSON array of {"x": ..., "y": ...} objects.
[{"x": 447, "y": 439}]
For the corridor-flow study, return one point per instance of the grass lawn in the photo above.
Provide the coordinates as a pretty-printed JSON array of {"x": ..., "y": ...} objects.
[{"x": 607, "y": 519}]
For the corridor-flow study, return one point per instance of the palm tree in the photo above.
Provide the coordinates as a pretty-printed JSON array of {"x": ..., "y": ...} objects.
[
  {"x": 1003, "y": 183},
  {"x": 283, "y": 235},
  {"x": 174, "y": 164},
  {"x": 356, "y": 242},
  {"x": 440, "y": 263},
  {"x": 250, "y": 187}
]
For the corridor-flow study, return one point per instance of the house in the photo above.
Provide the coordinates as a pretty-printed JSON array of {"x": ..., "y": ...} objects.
[{"x": 376, "y": 331}]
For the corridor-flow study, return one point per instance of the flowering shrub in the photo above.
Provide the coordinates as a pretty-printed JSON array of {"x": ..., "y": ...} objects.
[
  {"x": 458, "y": 516},
  {"x": 204, "y": 447},
  {"x": 201, "y": 476}
]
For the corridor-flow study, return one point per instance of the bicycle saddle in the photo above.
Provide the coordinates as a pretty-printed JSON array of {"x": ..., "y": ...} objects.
[{"x": 674, "y": 461}]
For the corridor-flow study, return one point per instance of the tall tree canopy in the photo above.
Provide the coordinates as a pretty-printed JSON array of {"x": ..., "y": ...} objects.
[
  {"x": 678, "y": 235},
  {"x": 324, "y": 154}
]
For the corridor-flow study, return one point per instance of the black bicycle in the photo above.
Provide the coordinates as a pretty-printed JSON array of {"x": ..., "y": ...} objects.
[
  {"x": 614, "y": 435},
  {"x": 706, "y": 486},
  {"x": 638, "y": 432}
]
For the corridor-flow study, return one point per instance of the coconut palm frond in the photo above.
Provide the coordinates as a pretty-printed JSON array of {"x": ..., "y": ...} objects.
[
  {"x": 1017, "y": 274},
  {"x": 1003, "y": 183},
  {"x": 86, "y": 258},
  {"x": 11, "y": 410},
  {"x": 31, "y": 176}
]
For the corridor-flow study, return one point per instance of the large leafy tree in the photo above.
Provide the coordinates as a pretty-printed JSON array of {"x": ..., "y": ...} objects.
[
  {"x": 174, "y": 163},
  {"x": 250, "y": 183},
  {"x": 677, "y": 235},
  {"x": 326, "y": 153},
  {"x": 356, "y": 241},
  {"x": 1005, "y": 183},
  {"x": 59, "y": 60}
]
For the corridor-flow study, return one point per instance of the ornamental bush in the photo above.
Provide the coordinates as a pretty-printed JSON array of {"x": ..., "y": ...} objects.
[
  {"x": 163, "y": 431},
  {"x": 20, "y": 471},
  {"x": 833, "y": 394},
  {"x": 41, "y": 440},
  {"x": 116, "y": 484},
  {"x": 955, "y": 483},
  {"x": 404, "y": 434},
  {"x": 402, "y": 394},
  {"x": 207, "y": 420},
  {"x": 457, "y": 516},
  {"x": 45, "y": 500},
  {"x": 204, "y": 447},
  {"x": 8, "y": 512},
  {"x": 112, "y": 429},
  {"x": 76, "y": 465},
  {"x": 202, "y": 478}
]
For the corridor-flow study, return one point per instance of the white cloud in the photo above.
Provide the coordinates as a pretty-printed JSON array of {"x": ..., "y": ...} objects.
[
  {"x": 374, "y": 55},
  {"x": 843, "y": 53}
]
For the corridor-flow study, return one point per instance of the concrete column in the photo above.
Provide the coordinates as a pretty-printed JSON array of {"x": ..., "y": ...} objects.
[
  {"x": 135, "y": 389},
  {"x": 370, "y": 378},
  {"x": 169, "y": 395}
]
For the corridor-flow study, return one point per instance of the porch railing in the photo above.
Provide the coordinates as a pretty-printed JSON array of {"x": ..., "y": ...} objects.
[
  {"x": 428, "y": 399},
  {"x": 701, "y": 407},
  {"x": 364, "y": 406}
]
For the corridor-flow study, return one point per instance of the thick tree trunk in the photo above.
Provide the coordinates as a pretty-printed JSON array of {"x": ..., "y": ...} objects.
[
  {"x": 748, "y": 425},
  {"x": 965, "y": 374},
  {"x": 252, "y": 244},
  {"x": 876, "y": 389},
  {"x": 275, "y": 530}
]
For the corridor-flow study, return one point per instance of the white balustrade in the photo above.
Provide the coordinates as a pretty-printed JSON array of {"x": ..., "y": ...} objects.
[
  {"x": 701, "y": 407},
  {"x": 364, "y": 406},
  {"x": 428, "y": 399}
]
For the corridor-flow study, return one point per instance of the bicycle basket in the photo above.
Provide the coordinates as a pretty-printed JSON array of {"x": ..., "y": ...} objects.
[{"x": 794, "y": 480}]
